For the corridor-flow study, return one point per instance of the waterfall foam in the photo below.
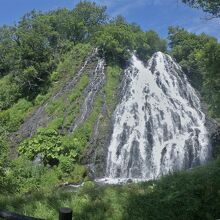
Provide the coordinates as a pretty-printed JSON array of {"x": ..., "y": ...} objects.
[{"x": 159, "y": 126}]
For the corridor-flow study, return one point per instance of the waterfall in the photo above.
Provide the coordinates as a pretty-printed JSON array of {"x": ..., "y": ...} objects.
[
  {"x": 97, "y": 80},
  {"x": 159, "y": 126}
]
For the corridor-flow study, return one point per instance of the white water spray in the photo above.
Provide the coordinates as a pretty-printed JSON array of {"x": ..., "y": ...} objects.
[{"x": 159, "y": 126}]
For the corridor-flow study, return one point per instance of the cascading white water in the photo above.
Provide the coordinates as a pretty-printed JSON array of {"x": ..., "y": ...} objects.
[
  {"x": 158, "y": 125},
  {"x": 97, "y": 79}
]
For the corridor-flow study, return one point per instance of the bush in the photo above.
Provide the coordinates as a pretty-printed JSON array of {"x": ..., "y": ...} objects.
[
  {"x": 66, "y": 164},
  {"x": 9, "y": 92},
  {"x": 47, "y": 143},
  {"x": 11, "y": 119}
]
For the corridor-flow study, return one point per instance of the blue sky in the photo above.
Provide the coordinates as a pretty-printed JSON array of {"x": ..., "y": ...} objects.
[{"x": 150, "y": 14}]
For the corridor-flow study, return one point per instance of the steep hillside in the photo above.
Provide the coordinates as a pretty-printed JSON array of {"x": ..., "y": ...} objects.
[{"x": 78, "y": 112}]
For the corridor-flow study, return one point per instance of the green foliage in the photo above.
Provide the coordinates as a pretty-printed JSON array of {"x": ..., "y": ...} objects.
[
  {"x": 67, "y": 67},
  {"x": 54, "y": 77},
  {"x": 148, "y": 43},
  {"x": 40, "y": 99},
  {"x": 119, "y": 38},
  {"x": 46, "y": 144},
  {"x": 210, "y": 61},
  {"x": 5, "y": 182},
  {"x": 12, "y": 118},
  {"x": 27, "y": 177},
  {"x": 73, "y": 60},
  {"x": 210, "y": 6},
  {"x": 66, "y": 109},
  {"x": 78, "y": 174},
  {"x": 84, "y": 132},
  {"x": 116, "y": 40},
  {"x": 56, "y": 105},
  {"x": 199, "y": 57},
  {"x": 81, "y": 85},
  {"x": 155, "y": 42},
  {"x": 34, "y": 34},
  {"x": 186, "y": 195},
  {"x": 51, "y": 148},
  {"x": 26, "y": 174},
  {"x": 43, "y": 47},
  {"x": 69, "y": 29},
  {"x": 184, "y": 43},
  {"x": 56, "y": 124},
  {"x": 113, "y": 73},
  {"x": 65, "y": 164},
  {"x": 91, "y": 15},
  {"x": 8, "y": 49},
  {"x": 9, "y": 92},
  {"x": 31, "y": 50}
]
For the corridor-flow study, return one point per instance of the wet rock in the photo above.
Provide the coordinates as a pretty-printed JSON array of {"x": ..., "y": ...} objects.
[
  {"x": 129, "y": 181},
  {"x": 38, "y": 159}
]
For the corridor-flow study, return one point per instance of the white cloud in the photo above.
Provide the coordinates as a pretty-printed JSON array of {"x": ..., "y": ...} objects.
[{"x": 124, "y": 7}]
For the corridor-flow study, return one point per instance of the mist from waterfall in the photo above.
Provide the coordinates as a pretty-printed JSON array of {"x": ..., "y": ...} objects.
[{"x": 159, "y": 126}]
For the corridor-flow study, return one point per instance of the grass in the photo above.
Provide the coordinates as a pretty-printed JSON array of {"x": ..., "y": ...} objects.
[
  {"x": 113, "y": 79},
  {"x": 187, "y": 195},
  {"x": 13, "y": 117},
  {"x": 66, "y": 69},
  {"x": 66, "y": 108},
  {"x": 84, "y": 132}
]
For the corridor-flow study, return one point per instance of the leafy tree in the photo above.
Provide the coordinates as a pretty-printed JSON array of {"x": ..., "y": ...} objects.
[
  {"x": 68, "y": 27},
  {"x": 12, "y": 118},
  {"x": 115, "y": 40},
  {"x": 210, "y": 6},
  {"x": 155, "y": 42},
  {"x": 4, "y": 163},
  {"x": 35, "y": 39},
  {"x": 199, "y": 57},
  {"x": 185, "y": 48},
  {"x": 118, "y": 39},
  {"x": 91, "y": 15},
  {"x": 148, "y": 43},
  {"x": 8, "y": 49},
  {"x": 210, "y": 61},
  {"x": 9, "y": 92}
]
